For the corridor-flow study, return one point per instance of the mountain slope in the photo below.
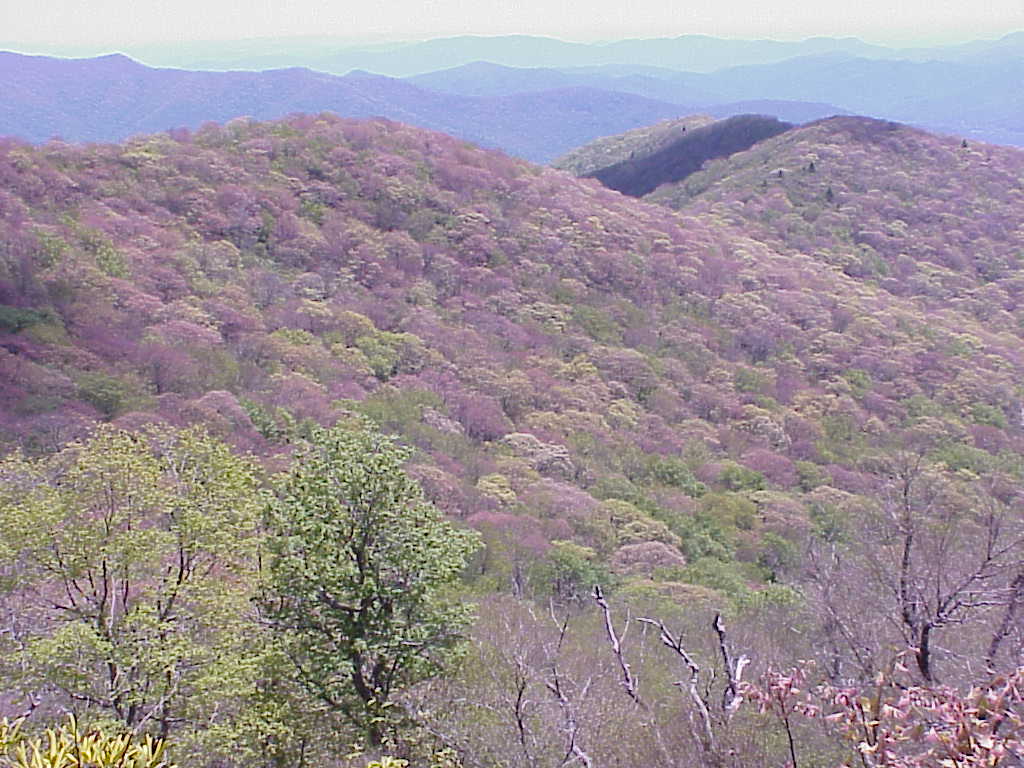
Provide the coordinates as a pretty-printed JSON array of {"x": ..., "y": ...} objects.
[
  {"x": 640, "y": 142},
  {"x": 547, "y": 345},
  {"x": 917, "y": 213},
  {"x": 647, "y": 168}
]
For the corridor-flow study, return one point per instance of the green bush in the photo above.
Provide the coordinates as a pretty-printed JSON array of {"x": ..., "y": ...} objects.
[
  {"x": 705, "y": 535},
  {"x": 959, "y": 456},
  {"x": 674, "y": 471},
  {"x": 571, "y": 571},
  {"x": 777, "y": 555},
  {"x": 111, "y": 395},
  {"x": 738, "y": 478},
  {"x": 989, "y": 415},
  {"x": 750, "y": 380},
  {"x": 598, "y": 324},
  {"x": 921, "y": 406},
  {"x": 14, "y": 320},
  {"x": 859, "y": 380},
  {"x": 811, "y": 475},
  {"x": 718, "y": 575}
]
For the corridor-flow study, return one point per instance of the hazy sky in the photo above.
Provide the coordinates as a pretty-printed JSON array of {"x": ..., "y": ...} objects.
[{"x": 127, "y": 22}]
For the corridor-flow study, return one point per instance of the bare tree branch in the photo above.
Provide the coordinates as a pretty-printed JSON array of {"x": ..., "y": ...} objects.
[
  {"x": 731, "y": 696},
  {"x": 706, "y": 735},
  {"x": 629, "y": 681},
  {"x": 1006, "y": 625},
  {"x": 570, "y": 722}
]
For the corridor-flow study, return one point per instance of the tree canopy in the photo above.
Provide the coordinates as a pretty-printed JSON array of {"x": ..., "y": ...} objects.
[
  {"x": 134, "y": 564},
  {"x": 359, "y": 567}
]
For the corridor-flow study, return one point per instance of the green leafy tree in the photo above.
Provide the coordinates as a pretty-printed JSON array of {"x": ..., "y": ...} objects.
[
  {"x": 131, "y": 564},
  {"x": 357, "y": 578},
  {"x": 571, "y": 570}
]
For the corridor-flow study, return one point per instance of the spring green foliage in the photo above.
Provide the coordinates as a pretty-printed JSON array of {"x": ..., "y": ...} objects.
[
  {"x": 360, "y": 563},
  {"x": 572, "y": 571},
  {"x": 136, "y": 560},
  {"x": 130, "y": 565},
  {"x": 13, "y": 320},
  {"x": 110, "y": 395}
]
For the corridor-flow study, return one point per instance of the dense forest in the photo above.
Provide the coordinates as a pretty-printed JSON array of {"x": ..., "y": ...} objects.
[{"x": 333, "y": 442}]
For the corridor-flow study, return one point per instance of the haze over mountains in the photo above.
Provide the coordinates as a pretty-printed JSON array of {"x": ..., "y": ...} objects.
[
  {"x": 113, "y": 97},
  {"x": 558, "y": 96},
  {"x": 694, "y": 53},
  {"x": 977, "y": 96}
]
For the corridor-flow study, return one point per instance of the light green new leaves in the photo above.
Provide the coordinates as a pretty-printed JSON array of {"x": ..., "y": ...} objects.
[{"x": 132, "y": 558}]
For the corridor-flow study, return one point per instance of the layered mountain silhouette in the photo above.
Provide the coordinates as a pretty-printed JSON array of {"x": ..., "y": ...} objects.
[
  {"x": 537, "y": 113},
  {"x": 972, "y": 95},
  {"x": 695, "y": 53},
  {"x": 113, "y": 97}
]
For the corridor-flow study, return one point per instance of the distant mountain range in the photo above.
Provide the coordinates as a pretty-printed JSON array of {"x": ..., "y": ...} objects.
[
  {"x": 570, "y": 95},
  {"x": 112, "y": 97},
  {"x": 973, "y": 96},
  {"x": 693, "y": 53}
]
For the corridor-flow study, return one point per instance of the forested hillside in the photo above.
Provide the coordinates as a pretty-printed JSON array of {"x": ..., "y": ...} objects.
[
  {"x": 792, "y": 398},
  {"x": 644, "y": 171}
]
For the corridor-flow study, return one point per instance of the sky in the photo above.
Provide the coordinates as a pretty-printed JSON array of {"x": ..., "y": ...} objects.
[{"x": 121, "y": 23}]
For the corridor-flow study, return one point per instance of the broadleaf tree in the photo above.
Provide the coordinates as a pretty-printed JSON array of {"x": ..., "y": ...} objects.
[
  {"x": 130, "y": 560},
  {"x": 360, "y": 575}
]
